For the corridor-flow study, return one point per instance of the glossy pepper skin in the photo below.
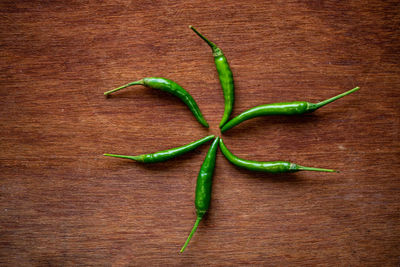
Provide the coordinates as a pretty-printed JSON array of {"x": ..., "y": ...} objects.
[
  {"x": 203, "y": 187},
  {"x": 165, "y": 154},
  {"x": 285, "y": 108},
  {"x": 171, "y": 87},
  {"x": 225, "y": 77},
  {"x": 266, "y": 166}
]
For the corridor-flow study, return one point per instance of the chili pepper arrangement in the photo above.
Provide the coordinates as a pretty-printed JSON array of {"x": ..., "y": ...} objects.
[{"x": 204, "y": 180}]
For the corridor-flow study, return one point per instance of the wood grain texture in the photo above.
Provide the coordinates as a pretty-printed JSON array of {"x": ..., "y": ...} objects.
[{"x": 63, "y": 204}]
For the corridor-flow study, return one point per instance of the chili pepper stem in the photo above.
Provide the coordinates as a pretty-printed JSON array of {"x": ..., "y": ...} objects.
[
  {"x": 122, "y": 156},
  {"x": 196, "y": 224},
  {"x": 302, "y": 168},
  {"x": 211, "y": 44},
  {"x": 124, "y": 86},
  {"x": 327, "y": 101}
]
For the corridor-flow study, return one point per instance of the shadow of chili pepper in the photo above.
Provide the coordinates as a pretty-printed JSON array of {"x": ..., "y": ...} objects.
[{"x": 271, "y": 177}]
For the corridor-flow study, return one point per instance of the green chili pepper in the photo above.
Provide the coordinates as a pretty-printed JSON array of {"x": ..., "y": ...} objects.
[
  {"x": 266, "y": 166},
  {"x": 166, "y": 154},
  {"x": 225, "y": 77},
  {"x": 287, "y": 108},
  {"x": 203, "y": 187},
  {"x": 170, "y": 87}
]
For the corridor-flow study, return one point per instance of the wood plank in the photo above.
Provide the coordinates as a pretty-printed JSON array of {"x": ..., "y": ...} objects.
[{"x": 63, "y": 203}]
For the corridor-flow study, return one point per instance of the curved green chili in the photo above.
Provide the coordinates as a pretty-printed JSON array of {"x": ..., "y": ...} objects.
[
  {"x": 165, "y": 154},
  {"x": 225, "y": 77},
  {"x": 286, "y": 108},
  {"x": 266, "y": 166},
  {"x": 203, "y": 188},
  {"x": 170, "y": 87}
]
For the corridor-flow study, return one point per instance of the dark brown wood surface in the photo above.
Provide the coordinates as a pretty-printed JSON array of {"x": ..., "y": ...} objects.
[{"x": 62, "y": 203}]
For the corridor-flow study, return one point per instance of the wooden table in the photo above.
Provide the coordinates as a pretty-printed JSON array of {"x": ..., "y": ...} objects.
[{"x": 62, "y": 203}]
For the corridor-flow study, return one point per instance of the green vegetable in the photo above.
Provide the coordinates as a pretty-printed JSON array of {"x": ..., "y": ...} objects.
[
  {"x": 166, "y": 154},
  {"x": 225, "y": 77},
  {"x": 205, "y": 176},
  {"x": 170, "y": 87},
  {"x": 286, "y": 108},
  {"x": 266, "y": 166},
  {"x": 203, "y": 188}
]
